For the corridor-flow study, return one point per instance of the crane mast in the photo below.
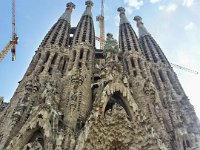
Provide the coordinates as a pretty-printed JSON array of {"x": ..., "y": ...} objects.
[
  {"x": 14, "y": 35},
  {"x": 13, "y": 42},
  {"x": 100, "y": 18}
]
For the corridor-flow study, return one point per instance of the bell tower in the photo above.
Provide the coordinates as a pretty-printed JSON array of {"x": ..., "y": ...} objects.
[{"x": 77, "y": 90}]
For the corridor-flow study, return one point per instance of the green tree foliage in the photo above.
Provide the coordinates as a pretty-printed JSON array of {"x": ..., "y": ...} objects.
[{"x": 111, "y": 44}]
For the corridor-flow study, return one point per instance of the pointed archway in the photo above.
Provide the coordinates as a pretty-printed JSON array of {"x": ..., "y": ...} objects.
[{"x": 117, "y": 118}]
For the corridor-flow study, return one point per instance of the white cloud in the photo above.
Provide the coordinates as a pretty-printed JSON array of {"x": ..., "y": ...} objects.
[
  {"x": 154, "y": 1},
  {"x": 129, "y": 10},
  {"x": 134, "y": 3},
  {"x": 169, "y": 9},
  {"x": 161, "y": 7},
  {"x": 188, "y": 3},
  {"x": 189, "y": 26}
]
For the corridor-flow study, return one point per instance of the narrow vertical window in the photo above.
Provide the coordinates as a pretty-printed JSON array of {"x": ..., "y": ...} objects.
[
  {"x": 88, "y": 54},
  {"x": 140, "y": 63},
  {"x": 161, "y": 75},
  {"x": 132, "y": 63},
  {"x": 74, "y": 56},
  {"x": 173, "y": 83},
  {"x": 46, "y": 57},
  {"x": 81, "y": 54},
  {"x": 54, "y": 59},
  {"x": 155, "y": 80}
]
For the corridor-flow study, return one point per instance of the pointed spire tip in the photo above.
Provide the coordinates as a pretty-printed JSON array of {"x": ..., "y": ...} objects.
[
  {"x": 70, "y": 5},
  {"x": 142, "y": 30},
  {"x": 89, "y": 3},
  {"x": 122, "y": 15},
  {"x": 121, "y": 10},
  {"x": 138, "y": 19}
]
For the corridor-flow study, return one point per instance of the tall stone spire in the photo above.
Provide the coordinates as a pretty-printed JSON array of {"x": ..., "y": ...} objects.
[
  {"x": 67, "y": 14},
  {"x": 150, "y": 48},
  {"x": 59, "y": 33},
  {"x": 142, "y": 30},
  {"x": 127, "y": 38},
  {"x": 66, "y": 100},
  {"x": 123, "y": 18},
  {"x": 171, "y": 93},
  {"x": 88, "y": 11},
  {"x": 85, "y": 28},
  {"x": 129, "y": 44},
  {"x": 80, "y": 70}
]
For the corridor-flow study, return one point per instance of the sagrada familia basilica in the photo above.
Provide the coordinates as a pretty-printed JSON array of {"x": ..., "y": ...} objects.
[{"x": 76, "y": 97}]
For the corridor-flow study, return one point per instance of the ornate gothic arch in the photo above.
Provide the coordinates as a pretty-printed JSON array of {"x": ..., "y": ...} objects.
[
  {"x": 36, "y": 128},
  {"x": 123, "y": 93},
  {"x": 104, "y": 128}
]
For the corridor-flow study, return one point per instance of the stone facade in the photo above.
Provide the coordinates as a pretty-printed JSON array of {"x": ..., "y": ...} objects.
[{"x": 76, "y": 97}]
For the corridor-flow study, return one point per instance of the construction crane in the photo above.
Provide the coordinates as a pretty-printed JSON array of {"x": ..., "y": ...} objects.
[
  {"x": 184, "y": 68},
  {"x": 100, "y": 18},
  {"x": 13, "y": 42}
]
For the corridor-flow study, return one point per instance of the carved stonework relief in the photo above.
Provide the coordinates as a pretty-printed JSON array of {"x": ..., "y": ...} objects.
[
  {"x": 77, "y": 80},
  {"x": 33, "y": 146},
  {"x": 73, "y": 103},
  {"x": 116, "y": 111},
  {"x": 149, "y": 89},
  {"x": 50, "y": 93}
]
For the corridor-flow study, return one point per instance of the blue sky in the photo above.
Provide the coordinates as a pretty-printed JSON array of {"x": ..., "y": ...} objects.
[{"x": 173, "y": 23}]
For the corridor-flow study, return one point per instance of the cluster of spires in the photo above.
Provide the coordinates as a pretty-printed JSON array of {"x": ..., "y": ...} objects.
[{"x": 123, "y": 19}]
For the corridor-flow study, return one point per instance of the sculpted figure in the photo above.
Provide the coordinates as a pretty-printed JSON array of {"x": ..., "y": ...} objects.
[
  {"x": 33, "y": 146},
  {"x": 49, "y": 93}
]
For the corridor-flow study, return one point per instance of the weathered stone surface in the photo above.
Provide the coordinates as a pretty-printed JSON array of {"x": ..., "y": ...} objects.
[{"x": 72, "y": 99}]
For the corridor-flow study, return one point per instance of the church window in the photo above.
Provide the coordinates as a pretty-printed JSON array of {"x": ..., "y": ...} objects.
[
  {"x": 88, "y": 54},
  {"x": 74, "y": 56},
  {"x": 161, "y": 75},
  {"x": 140, "y": 63},
  {"x": 54, "y": 58},
  {"x": 155, "y": 80},
  {"x": 132, "y": 63},
  {"x": 64, "y": 65},
  {"x": 187, "y": 143},
  {"x": 151, "y": 50},
  {"x": 81, "y": 54},
  {"x": 46, "y": 57},
  {"x": 173, "y": 83}
]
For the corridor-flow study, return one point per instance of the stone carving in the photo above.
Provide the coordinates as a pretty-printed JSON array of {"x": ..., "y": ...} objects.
[
  {"x": 33, "y": 146},
  {"x": 36, "y": 84},
  {"x": 31, "y": 86},
  {"x": 50, "y": 94},
  {"x": 73, "y": 118},
  {"x": 59, "y": 140},
  {"x": 77, "y": 80},
  {"x": 149, "y": 89},
  {"x": 117, "y": 110},
  {"x": 73, "y": 103}
]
